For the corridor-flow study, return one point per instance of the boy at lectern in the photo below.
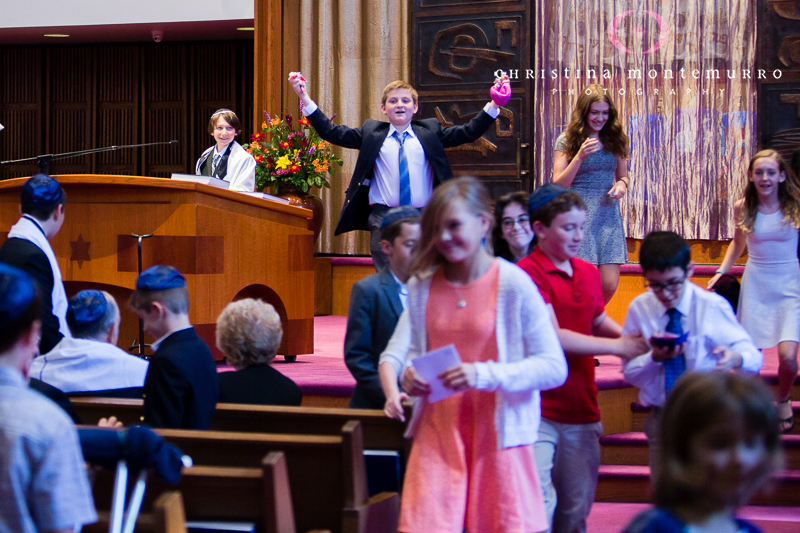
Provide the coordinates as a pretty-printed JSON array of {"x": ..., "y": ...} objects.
[
  {"x": 181, "y": 386},
  {"x": 397, "y": 165}
]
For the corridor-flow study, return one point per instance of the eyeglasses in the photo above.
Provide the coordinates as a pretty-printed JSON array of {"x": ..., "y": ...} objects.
[
  {"x": 523, "y": 221},
  {"x": 670, "y": 286}
]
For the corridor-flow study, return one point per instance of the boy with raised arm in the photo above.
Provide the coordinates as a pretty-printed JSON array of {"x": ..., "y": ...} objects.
[{"x": 400, "y": 161}]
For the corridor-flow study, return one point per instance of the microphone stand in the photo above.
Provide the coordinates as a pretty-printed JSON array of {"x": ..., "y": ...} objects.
[{"x": 44, "y": 160}]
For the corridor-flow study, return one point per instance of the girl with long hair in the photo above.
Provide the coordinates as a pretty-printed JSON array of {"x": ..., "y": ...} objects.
[
  {"x": 590, "y": 158},
  {"x": 472, "y": 464},
  {"x": 767, "y": 221}
]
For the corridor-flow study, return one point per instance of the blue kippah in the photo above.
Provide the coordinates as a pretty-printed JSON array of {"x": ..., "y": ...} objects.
[
  {"x": 16, "y": 293},
  {"x": 544, "y": 195},
  {"x": 41, "y": 192},
  {"x": 86, "y": 307},
  {"x": 399, "y": 213},
  {"x": 160, "y": 278}
]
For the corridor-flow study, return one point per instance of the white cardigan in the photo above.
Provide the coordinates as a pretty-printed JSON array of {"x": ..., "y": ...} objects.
[
  {"x": 529, "y": 354},
  {"x": 241, "y": 168}
]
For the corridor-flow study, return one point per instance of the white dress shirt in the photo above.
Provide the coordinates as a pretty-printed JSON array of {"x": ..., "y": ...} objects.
[
  {"x": 385, "y": 186},
  {"x": 709, "y": 320}
]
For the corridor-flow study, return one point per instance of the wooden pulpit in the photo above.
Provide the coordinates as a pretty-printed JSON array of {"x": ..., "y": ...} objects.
[{"x": 228, "y": 245}]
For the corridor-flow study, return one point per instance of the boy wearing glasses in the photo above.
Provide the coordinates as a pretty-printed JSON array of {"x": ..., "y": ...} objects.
[{"x": 689, "y": 329}]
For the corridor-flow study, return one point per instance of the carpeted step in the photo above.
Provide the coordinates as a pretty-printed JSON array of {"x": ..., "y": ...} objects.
[
  {"x": 631, "y": 484},
  {"x": 631, "y": 449},
  {"x": 639, "y": 413},
  {"x": 613, "y": 517}
]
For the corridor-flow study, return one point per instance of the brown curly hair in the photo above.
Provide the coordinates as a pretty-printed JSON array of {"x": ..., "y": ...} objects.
[
  {"x": 612, "y": 136},
  {"x": 788, "y": 194}
]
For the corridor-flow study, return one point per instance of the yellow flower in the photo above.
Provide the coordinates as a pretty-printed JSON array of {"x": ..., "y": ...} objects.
[{"x": 283, "y": 161}]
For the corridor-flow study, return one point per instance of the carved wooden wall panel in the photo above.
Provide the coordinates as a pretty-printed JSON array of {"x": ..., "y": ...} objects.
[
  {"x": 458, "y": 45},
  {"x": 779, "y": 100},
  {"x": 57, "y": 99}
]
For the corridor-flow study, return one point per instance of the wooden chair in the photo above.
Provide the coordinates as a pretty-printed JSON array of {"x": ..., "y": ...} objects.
[
  {"x": 259, "y": 495},
  {"x": 326, "y": 473}
]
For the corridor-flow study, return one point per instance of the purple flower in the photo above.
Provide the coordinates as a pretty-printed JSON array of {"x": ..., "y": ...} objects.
[
  {"x": 266, "y": 116},
  {"x": 311, "y": 151}
]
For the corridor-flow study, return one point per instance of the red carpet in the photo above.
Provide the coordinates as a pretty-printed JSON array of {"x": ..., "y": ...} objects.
[{"x": 324, "y": 372}]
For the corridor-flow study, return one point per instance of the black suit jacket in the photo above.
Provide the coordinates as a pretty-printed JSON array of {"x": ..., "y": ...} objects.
[
  {"x": 181, "y": 386},
  {"x": 374, "y": 311},
  {"x": 26, "y": 256},
  {"x": 369, "y": 139},
  {"x": 258, "y": 384}
]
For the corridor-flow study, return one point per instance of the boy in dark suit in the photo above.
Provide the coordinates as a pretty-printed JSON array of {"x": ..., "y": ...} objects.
[
  {"x": 181, "y": 386},
  {"x": 28, "y": 248},
  {"x": 400, "y": 161},
  {"x": 376, "y": 303}
]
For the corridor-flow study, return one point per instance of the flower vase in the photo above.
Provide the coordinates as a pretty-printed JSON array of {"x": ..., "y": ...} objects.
[{"x": 308, "y": 201}]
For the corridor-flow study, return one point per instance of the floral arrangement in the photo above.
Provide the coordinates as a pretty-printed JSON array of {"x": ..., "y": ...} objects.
[{"x": 288, "y": 157}]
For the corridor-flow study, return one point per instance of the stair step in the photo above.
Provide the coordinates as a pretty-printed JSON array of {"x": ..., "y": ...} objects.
[
  {"x": 639, "y": 413},
  {"x": 631, "y": 484},
  {"x": 631, "y": 449}
]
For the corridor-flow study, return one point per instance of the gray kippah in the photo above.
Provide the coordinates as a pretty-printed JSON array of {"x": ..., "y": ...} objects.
[{"x": 399, "y": 213}]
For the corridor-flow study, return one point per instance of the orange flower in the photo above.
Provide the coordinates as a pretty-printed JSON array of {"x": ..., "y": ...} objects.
[
  {"x": 263, "y": 124},
  {"x": 276, "y": 121}
]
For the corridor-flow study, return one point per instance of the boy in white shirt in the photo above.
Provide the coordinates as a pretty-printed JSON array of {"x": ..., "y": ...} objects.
[{"x": 671, "y": 308}]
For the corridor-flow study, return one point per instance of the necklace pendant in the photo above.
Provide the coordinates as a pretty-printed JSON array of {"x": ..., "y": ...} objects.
[{"x": 461, "y": 304}]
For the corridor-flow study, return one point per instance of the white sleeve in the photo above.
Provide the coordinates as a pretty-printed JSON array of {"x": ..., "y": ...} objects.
[
  {"x": 310, "y": 108},
  {"x": 397, "y": 349}
]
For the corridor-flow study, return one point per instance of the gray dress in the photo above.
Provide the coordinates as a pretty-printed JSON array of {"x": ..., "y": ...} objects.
[{"x": 604, "y": 239}]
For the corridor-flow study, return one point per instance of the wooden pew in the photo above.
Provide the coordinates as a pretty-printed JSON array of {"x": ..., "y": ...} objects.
[
  {"x": 258, "y": 495},
  {"x": 379, "y": 432},
  {"x": 326, "y": 473}
]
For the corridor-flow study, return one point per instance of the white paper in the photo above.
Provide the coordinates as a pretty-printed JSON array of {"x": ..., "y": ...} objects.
[{"x": 433, "y": 363}]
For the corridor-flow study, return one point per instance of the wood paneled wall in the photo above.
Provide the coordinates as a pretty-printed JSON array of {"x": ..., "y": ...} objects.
[{"x": 56, "y": 99}]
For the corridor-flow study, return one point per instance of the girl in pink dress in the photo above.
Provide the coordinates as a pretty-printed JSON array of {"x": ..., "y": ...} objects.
[{"x": 472, "y": 464}]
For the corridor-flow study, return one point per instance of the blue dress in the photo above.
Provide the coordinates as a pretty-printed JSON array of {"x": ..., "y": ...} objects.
[
  {"x": 604, "y": 239},
  {"x": 660, "y": 520}
]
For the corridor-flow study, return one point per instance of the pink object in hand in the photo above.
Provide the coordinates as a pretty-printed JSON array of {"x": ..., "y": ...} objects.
[{"x": 501, "y": 93}]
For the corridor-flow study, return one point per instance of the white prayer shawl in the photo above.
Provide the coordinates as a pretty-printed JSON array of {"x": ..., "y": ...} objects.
[
  {"x": 241, "y": 168},
  {"x": 26, "y": 228},
  {"x": 80, "y": 365}
]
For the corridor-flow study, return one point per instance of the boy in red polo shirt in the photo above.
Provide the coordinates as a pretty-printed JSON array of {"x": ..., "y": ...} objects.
[{"x": 568, "y": 450}]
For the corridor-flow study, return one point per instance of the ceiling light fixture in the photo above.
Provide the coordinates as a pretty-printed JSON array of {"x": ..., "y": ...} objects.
[
  {"x": 246, "y": 29},
  {"x": 56, "y": 35}
]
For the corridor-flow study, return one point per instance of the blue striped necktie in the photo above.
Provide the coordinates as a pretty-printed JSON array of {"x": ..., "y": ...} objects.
[
  {"x": 405, "y": 181},
  {"x": 673, "y": 368}
]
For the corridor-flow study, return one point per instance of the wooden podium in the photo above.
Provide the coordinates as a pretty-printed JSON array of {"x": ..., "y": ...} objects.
[{"x": 228, "y": 245}]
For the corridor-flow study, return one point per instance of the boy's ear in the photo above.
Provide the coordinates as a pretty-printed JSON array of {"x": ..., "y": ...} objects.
[
  {"x": 537, "y": 226},
  {"x": 690, "y": 270},
  {"x": 158, "y": 308}
]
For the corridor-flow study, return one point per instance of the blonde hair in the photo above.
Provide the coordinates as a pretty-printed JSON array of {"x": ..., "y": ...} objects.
[
  {"x": 249, "y": 332},
  {"x": 788, "y": 194},
  {"x": 476, "y": 199},
  {"x": 398, "y": 84}
]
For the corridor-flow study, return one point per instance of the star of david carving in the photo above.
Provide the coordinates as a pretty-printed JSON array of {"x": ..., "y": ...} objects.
[{"x": 80, "y": 251}]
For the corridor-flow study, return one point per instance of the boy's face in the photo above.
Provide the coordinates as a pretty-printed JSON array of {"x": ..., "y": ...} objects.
[
  {"x": 400, "y": 251},
  {"x": 668, "y": 286},
  {"x": 561, "y": 239},
  {"x": 224, "y": 133},
  {"x": 154, "y": 320},
  {"x": 399, "y": 107}
]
